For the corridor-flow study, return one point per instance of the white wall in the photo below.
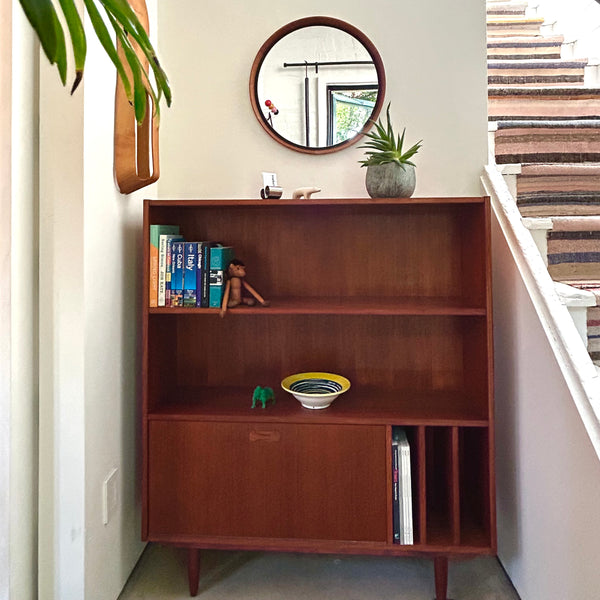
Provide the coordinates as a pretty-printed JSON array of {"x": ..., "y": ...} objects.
[
  {"x": 213, "y": 146},
  {"x": 90, "y": 274},
  {"x": 112, "y": 249},
  {"x": 578, "y": 21},
  {"x": 548, "y": 474}
]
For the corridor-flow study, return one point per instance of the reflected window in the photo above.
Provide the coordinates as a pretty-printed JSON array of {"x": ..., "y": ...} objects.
[{"x": 348, "y": 108}]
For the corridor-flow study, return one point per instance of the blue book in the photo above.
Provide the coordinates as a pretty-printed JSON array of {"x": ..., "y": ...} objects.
[
  {"x": 190, "y": 256},
  {"x": 169, "y": 258},
  {"x": 177, "y": 271},
  {"x": 201, "y": 284},
  {"x": 220, "y": 257}
]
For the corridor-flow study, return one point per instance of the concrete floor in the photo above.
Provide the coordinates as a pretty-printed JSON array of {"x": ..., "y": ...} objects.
[{"x": 161, "y": 574}]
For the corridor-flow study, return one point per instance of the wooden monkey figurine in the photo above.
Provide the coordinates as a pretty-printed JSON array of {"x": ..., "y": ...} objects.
[{"x": 236, "y": 283}]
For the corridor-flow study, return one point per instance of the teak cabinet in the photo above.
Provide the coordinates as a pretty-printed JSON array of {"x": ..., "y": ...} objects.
[{"x": 393, "y": 294}]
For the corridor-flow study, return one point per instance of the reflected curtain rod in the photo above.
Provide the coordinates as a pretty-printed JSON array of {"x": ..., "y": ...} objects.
[{"x": 317, "y": 64}]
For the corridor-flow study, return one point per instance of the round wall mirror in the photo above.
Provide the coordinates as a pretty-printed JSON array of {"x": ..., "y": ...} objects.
[{"x": 315, "y": 83}]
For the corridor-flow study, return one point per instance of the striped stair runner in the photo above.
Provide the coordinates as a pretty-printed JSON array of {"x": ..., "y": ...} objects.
[
  {"x": 543, "y": 103},
  {"x": 515, "y": 26},
  {"x": 536, "y": 72},
  {"x": 524, "y": 48},
  {"x": 545, "y": 190},
  {"x": 506, "y": 9},
  {"x": 547, "y": 141},
  {"x": 547, "y": 121},
  {"x": 574, "y": 248}
]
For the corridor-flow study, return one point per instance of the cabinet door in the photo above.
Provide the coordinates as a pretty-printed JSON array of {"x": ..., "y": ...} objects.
[{"x": 267, "y": 480}]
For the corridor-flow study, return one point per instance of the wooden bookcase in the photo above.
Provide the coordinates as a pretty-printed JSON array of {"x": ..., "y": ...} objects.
[{"x": 393, "y": 294}]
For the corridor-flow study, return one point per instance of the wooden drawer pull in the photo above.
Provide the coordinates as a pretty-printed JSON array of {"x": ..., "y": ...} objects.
[{"x": 265, "y": 436}]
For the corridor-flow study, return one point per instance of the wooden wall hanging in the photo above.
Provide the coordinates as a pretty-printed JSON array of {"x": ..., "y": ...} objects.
[{"x": 136, "y": 146}]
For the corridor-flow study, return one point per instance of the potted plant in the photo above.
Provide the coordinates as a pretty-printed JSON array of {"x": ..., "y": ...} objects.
[{"x": 390, "y": 172}]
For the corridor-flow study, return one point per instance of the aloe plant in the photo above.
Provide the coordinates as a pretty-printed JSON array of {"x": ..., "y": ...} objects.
[
  {"x": 127, "y": 28},
  {"x": 385, "y": 147}
]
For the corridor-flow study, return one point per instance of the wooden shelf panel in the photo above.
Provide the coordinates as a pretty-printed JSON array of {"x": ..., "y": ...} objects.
[
  {"x": 326, "y": 546},
  {"x": 232, "y": 404},
  {"x": 344, "y": 306},
  {"x": 312, "y": 202}
]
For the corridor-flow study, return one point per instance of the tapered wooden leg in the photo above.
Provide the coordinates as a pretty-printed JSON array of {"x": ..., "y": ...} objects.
[
  {"x": 193, "y": 570},
  {"x": 440, "y": 565}
]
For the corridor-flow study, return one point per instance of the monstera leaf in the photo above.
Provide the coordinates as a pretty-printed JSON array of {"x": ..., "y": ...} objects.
[{"x": 105, "y": 15}]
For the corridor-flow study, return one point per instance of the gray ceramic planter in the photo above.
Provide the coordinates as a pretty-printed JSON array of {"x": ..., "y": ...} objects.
[{"x": 390, "y": 180}]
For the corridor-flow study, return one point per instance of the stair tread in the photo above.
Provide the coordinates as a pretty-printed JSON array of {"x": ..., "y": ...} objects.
[
  {"x": 512, "y": 19},
  {"x": 526, "y": 42},
  {"x": 500, "y": 90},
  {"x": 545, "y": 123},
  {"x": 537, "y": 63},
  {"x": 572, "y": 169}
]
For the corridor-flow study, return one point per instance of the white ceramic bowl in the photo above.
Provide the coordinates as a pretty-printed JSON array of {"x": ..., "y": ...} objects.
[{"x": 315, "y": 389}]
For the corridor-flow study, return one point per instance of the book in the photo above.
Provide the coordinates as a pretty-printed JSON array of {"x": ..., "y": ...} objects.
[
  {"x": 395, "y": 493},
  {"x": 190, "y": 256},
  {"x": 155, "y": 233},
  {"x": 163, "y": 251},
  {"x": 201, "y": 281},
  {"x": 220, "y": 257},
  {"x": 205, "y": 272},
  {"x": 405, "y": 513},
  {"x": 168, "y": 269},
  {"x": 177, "y": 272}
]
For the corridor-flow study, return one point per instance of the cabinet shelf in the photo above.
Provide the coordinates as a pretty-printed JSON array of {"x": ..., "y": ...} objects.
[
  {"x": 365, "y": 406},
  {"x": 344, "y": 306}
]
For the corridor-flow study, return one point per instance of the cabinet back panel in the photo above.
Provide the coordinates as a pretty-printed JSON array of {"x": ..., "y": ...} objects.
[
  {"x": 341, "y": 251},
  {"x": 474, "y": 469},
  {"x": 399, "y": 352}
]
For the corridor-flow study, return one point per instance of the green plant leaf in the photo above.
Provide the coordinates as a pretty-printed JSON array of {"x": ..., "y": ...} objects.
[
  {"x": 44, "y": 20},
  {"x": 77, "y": 35},
  {"x": 383, "y": 146},
  {"x": 138, "y": 73},
  {"x": 39, "y": 14},
  {"x": 126, "y": 17},
  {"x": 105, "y": 39}
]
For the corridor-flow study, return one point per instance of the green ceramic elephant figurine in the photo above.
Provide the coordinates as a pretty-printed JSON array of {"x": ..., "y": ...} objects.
[{"x": 262, "y": 395}]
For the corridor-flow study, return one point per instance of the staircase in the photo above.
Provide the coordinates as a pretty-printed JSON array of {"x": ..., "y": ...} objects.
[{"x": 545, "y": 123}]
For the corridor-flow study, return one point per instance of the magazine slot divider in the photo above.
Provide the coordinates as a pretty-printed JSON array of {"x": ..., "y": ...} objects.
[
  {"x": 415, "y": 462},
  {"x": 455, "y": 486},
  {"x": 422, "y": 485},
  {"x": 390, "y": 486}
]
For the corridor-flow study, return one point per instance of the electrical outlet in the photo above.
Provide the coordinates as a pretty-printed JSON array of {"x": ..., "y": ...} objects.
[{"x": 110, "y": 496}]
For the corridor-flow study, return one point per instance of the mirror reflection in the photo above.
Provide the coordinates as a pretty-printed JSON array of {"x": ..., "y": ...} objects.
[{"x": 315, "y": 87}]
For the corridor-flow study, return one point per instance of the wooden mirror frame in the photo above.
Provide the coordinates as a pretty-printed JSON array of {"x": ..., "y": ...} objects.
[{"x": 301, "y": 24}]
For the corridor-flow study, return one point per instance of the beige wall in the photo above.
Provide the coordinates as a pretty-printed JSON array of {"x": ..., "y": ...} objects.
[{"x": 213, "y": 146}]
